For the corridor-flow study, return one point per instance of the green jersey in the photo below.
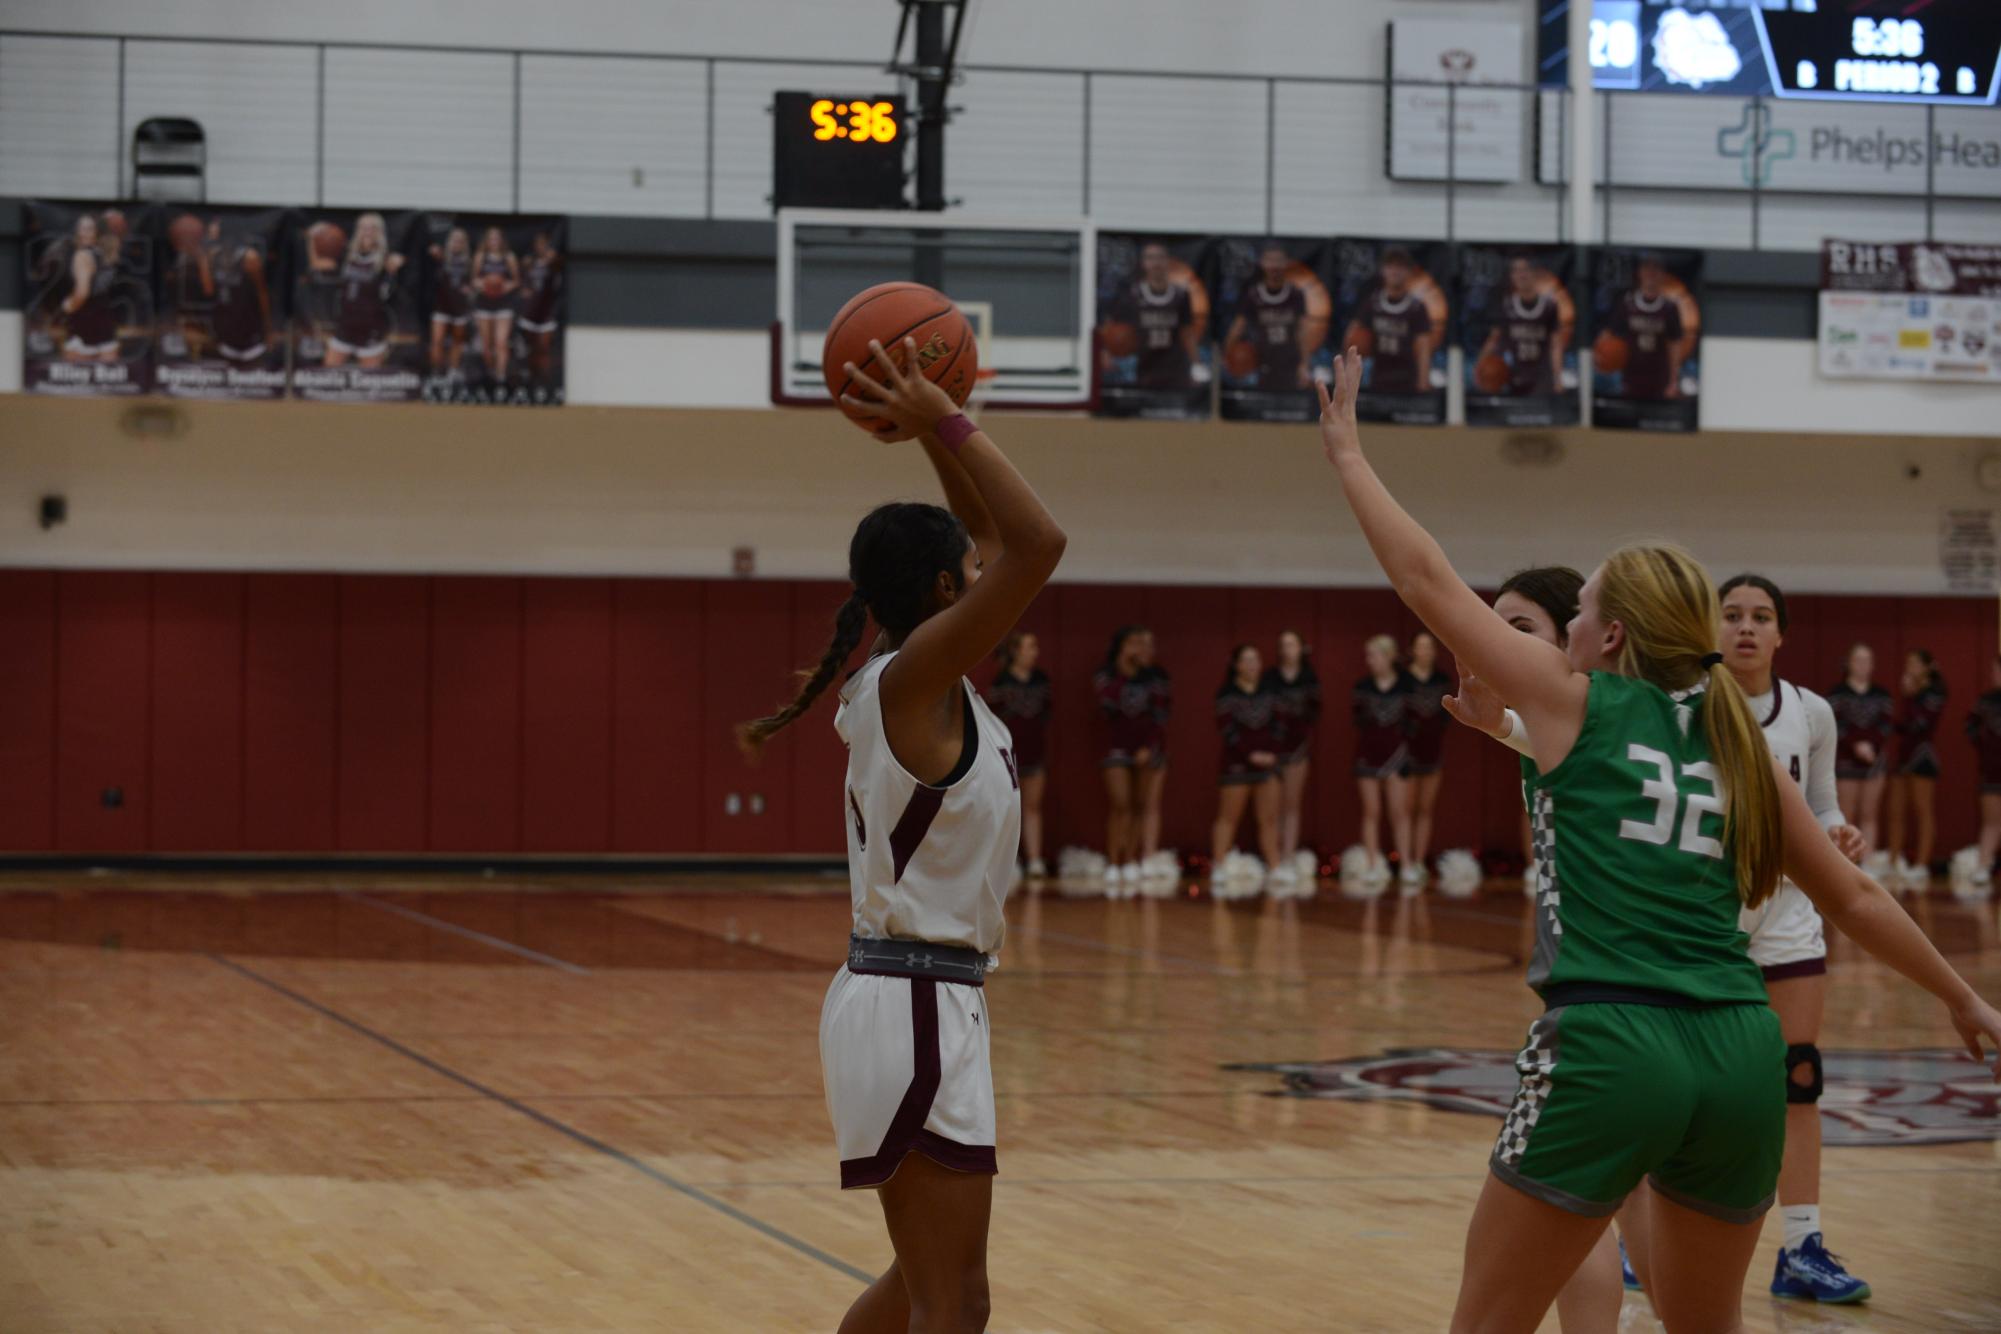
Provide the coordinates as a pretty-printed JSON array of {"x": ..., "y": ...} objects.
[{"x": 1636, "y": 887}]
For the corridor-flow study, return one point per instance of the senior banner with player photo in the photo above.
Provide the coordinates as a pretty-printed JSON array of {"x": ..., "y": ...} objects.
[
  {"x": 1273, "y": 307},
  {"x": 87, "y": 299},
  {"x": 1916, "y": 310},
  {"x": 357, "y": 279},
  {"x": 1518, "y": 330},
  {"x": 1390, "y": 303},
  {"x": 1152, "y": 340},
  {"x": 1646, "y": 309},
  {"x": 221, "y": 325},
  {"x": 496, "y": 294}
]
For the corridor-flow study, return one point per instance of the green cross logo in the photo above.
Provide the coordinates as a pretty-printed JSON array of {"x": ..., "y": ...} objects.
[{"x": 1754, "y": 142}]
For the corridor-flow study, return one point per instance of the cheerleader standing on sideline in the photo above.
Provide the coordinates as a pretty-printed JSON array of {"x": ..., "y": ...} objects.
[
  {"x": 1382, "y": 750},
  {"x": 1862, "y": 711},
  {"x": 1983, "y": 728},
  {"x": 1914, "y": 779},
  {"x": 1125, "y": 691},
  {"x": 1247, "y": 715},
  {"x": 1020, "y": 695},
  {"x": 1426, "y": 722},
  {"x": 1153, "y": 784},
  {"x": 933, "y": 822},
  {"x": 1296, "y": 687}
]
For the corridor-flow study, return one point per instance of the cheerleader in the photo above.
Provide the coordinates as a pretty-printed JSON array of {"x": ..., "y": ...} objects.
[
  {"x": 1426, "y": 722},
  {"x": 1382, "y": 752},
  {"x": 1153, "y": 784},
  {"x": 1247, "y": 714},
  {"x": 1983, "y": 729},
  {"x": 1125, "y": 691},
  {"x": 1862, "y": 712},
  {"x": 1020, "y": 695},
  {"x": 1296, "y": 687},
  {"x": 1915, "y": 776}
]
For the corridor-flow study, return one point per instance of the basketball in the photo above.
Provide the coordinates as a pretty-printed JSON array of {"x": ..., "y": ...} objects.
[
  {"x": 1610, "y": 352},
  {"x": 889, "y": 313},
  {"x": 493, "y": 286},
  {"x": 1490, "y": 374},
  {"x": 327, "y": 240},
  {"x": 1364, "y": 341},
  {"x": 1118, "y": 338},
  {"x": 184, "y": 232},
  {"x": 1240, "y": 358}
]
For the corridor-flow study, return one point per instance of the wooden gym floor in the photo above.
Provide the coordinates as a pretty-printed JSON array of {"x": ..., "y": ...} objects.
[{"x": 402, "y": 1103}]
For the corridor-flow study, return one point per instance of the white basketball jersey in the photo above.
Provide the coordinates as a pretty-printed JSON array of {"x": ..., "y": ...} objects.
[
  {"x": 1799, "y": 728},
  {"x": 927, "y": 863}
]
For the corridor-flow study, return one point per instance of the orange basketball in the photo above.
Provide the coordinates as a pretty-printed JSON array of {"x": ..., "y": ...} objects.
[
  {"x": 889, "y": 313},
  {"x": 1490, "y": 374},
  {"x": 1610, "y": 352},
  {"x": 1364, "y": 340},
  {"x": 184, "y": 232},
  {"x": 493, "y": 285},
  {"x": 1241, "y": 358},
  {"x": 1118, "y": 338},
  {"x": 327, "y": 240}
]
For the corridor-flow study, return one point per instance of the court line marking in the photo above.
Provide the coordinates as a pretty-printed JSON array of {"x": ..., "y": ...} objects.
[
  {"x": 453, "y": 928},
  {"x": 589, "y": 1141}
]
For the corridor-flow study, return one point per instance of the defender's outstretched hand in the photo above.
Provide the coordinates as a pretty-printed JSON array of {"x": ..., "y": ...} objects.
[
  {"x": 903, "y": 395},
  {"x": 1338, "y": 432},
  {"x": 1976, "y": 1019},
  {"x": 1478, "y": 707}
]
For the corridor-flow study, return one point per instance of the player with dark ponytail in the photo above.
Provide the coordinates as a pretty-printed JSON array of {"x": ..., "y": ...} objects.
[{"x": 933, "y": 819}]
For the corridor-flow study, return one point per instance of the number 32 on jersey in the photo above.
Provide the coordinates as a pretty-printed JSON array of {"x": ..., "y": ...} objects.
[{"x": 1701, "y": 801}]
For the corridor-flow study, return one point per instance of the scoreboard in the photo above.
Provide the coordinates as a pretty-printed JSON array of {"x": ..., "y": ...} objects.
[{"x": 1946, "y": 52}]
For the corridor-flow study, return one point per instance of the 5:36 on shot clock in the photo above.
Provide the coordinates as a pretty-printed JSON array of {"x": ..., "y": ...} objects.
[{"x": 837, "y": 151}]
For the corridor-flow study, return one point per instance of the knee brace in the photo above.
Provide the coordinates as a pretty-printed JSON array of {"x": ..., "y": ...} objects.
[{"x": 1803, "y": 1055}]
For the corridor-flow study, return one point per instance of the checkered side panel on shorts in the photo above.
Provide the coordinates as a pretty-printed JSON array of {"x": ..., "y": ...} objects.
[
  {"x": 1542, "y": 843},
  {"x": 1534, "y": 1064}
]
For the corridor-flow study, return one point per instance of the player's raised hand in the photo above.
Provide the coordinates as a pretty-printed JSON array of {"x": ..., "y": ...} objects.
[
  {"x": 1478, "y": 707},
  {"x": 1338, "y": 432},
  {"x": 902, "y": 395}
]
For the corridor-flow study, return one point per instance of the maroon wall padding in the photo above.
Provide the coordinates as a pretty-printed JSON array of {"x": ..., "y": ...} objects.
[
  {"x": 27, "y": 709},
  {"x": 566, "y": 715},
  {"x": 361, "y": 713},
  {"x": 197, "y": 703},
  {"x": 476, "y": 715},
  {"x": 103, "y": 715},
  {"x": 657, "y": 709},
  {"x": 385, "y": 713}
]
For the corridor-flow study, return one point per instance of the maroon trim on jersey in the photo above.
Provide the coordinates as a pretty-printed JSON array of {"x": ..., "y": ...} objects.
[
  {"x": 906, "y": 1129},
  {"x": 1778, "y": 703},
  {"x": 912, "y": 826},
  {"x": 1780, "y": 972}
]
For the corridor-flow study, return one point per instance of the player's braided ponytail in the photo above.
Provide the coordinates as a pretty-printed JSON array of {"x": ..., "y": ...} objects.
[
  {"x": 1665, "y": 600},
  {"x": 894, "y": 560}
]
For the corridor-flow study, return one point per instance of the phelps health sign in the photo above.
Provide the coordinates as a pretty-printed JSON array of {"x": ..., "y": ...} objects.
[{"x": 345, "y": 305}]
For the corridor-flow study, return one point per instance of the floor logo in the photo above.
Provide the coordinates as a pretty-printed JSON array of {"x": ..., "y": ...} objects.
[
  {"x": 1754, "y": 142},
  {"x": 1934, "y": 1096}
]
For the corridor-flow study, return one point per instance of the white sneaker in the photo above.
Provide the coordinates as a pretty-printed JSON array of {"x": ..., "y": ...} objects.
[
  {"x": 1113, "y": 882},
  {"x": 1917, "y": 879},
  {"x": 1877, "y": 867},
  {"x": 1284, "y": 876},
  {"x": 1411, "y": 880},
  {"x": 1131, "y": 875},
  {"x": 1038, "y": 869}
]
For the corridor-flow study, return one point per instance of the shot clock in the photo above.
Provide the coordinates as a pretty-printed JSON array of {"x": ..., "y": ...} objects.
[{"x": 837, "y": 151}]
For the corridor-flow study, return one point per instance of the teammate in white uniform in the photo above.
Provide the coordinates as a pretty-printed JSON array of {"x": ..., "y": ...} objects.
[{"x": 933, "y": 810}]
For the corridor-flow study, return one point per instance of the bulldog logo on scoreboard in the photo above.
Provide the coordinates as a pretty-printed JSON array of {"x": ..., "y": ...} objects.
[{"x": 1924, "y": 1096}]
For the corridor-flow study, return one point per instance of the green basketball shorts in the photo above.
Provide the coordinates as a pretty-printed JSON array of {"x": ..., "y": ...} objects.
[{"x": 1692, "y": 1099}]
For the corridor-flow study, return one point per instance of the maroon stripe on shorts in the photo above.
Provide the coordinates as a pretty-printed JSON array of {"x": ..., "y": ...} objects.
[
  {"x": 910, "y": 830},
  {"x": 906, "y": 1129},
  {"x": 1779, "y": 972}
]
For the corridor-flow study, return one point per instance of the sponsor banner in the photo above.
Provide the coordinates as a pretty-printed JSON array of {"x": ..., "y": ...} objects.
[
  {"x": 1646, "y": 314},
  {"x": 1154, "y": 353},
  {"x": 357, "y": 327},
  {"x": 1910, "y": 311},
  {"x": 1518, "y": 331},
  {"x": 1467, "y": 132},
  {"x": 1727, "y": 143},
  {"x": 1969, "y": 551},
  {"x": 1390, "y": 302},
  {"x": 221, "y": 323},
  {"x": 1273, "y": 306},
  {"x": 496, "y": 296},
  {"x": 87, "y": 298}
]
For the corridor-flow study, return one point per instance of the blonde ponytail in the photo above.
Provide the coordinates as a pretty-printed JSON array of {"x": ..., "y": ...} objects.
[{"x": 1668, "y": 606}]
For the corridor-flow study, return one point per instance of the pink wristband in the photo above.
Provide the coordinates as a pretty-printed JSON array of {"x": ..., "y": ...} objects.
[{"x": 954, "y": 431}]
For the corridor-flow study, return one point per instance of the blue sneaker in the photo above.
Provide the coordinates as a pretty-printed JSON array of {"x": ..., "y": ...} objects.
[
  {"x": 1626, "y": 1269},
  {"x": 1812, "y": 1274}
]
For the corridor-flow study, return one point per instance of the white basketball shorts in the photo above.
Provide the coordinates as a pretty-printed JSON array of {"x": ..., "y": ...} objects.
[{"x": 1786, "y": 935}]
